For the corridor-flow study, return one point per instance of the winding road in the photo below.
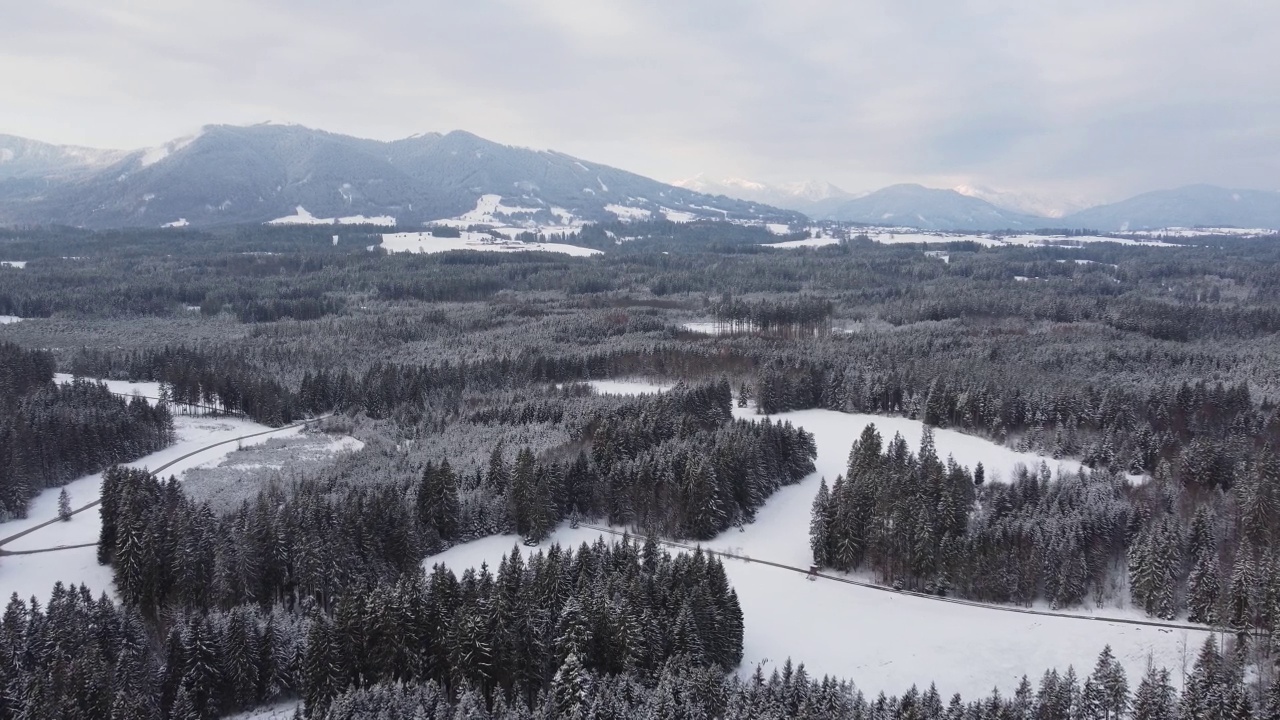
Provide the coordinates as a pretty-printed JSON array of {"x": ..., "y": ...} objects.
[{"x": 157, "y": 471}]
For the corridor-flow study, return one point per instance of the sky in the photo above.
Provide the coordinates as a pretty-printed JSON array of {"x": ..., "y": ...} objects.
[{"x": 1082, "y": 99}]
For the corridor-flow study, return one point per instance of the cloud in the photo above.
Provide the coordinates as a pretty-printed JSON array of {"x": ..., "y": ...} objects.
[{"x": 1092, "y": 96}]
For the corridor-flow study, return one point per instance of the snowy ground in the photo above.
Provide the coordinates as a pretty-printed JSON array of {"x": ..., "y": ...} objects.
[
  {"x": 628, "y": 213},
  {"x": 301, "y": 216},
  {"x": 902, "y": 235},
  {"x": 279, "y": 711},
  {"x": 122, "y": 387},
  {"x": 6, "y": 319},
  {"x": 1182, "y": 232},
  {"x": 884, "y": 640},
  {"x": 19, "y": 264},
  {"x": 425, "y": 242},
  {"x": 34, "y": 575}
]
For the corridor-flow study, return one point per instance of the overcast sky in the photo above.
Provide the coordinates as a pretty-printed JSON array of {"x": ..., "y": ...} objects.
[{"x": 1090, "y": 98}]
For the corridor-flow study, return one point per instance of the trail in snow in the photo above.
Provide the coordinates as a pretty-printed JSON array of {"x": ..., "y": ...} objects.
[{"x": 880, "y": 639}]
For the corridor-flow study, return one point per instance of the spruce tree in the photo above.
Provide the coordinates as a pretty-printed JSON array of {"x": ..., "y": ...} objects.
[{"x": 64, "y": 506}]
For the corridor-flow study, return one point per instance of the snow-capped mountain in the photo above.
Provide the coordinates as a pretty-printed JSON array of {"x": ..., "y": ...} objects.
[
  {"x": 231, "y": 174},
  {"x": 1188, "y": 207},
  {"x": 21, "y": 159},
  {"x": 932, "y": 209},
  {"x": 1024, "y": 202},
  {"x": 812, "y": 197}
]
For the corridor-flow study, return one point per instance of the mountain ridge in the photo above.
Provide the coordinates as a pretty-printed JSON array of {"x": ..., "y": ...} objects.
[{"x": 228, "y": 174}]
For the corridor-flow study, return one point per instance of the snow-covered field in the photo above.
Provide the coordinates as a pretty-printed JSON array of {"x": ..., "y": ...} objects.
[
  {"x": 905, "y": 236},
  {"x": 34, "y": 575},
  {"x": 884, "y": 640},
  {"x": 425, "y": 242},
  {"x": 122, "y": 387},
  {"x": 19, "y": 264},
  {"x": 179, "y": 223},
  {"x": 1182, "y": 232},
  {"x": 6, "y": 319},
  {"x": 628, "y": 213},
  {"x": 302, "y": 217}
]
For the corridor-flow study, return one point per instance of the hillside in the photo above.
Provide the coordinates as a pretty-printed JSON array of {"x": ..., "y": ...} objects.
[{"x": 230, "y": 174}]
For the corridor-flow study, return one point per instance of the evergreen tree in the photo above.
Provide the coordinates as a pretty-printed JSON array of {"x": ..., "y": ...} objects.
[{"x": 64, "y": 506}]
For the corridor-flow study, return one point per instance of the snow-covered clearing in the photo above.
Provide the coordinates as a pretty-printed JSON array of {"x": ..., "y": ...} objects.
[
  {"x": 883, "y": 640},
  {"x": 905, "y": 235},
  {"x": 778, "y": 228},
  {"x": 18, "y": 264},
  {"x": 487, "y": 211},
  {"x": 34, "y": 575},
  {"x": 808, "y": 242},
  {"x": 7, "y": 319},
  {"x": 628, "y": 213},
  {"x": 425, "y": 242},
  {"x": 121, "y": 387},
  {"x": 302, "y": 217},
  {"x": 1183, "y": 232},
  {"x": 180, "y": 222},
  {"x": 678, "y": 216}
]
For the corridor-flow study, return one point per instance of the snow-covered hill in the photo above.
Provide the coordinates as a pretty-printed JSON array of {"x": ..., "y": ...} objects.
[
  {"x": 815, "y": 198},
  {"x": 931, "y": 209},
  {"x": 1194, "y": 206},
  {"x": 230, "y": 174}
]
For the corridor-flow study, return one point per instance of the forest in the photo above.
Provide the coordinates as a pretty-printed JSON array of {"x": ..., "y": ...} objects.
[{"x": 466, "y": 376}]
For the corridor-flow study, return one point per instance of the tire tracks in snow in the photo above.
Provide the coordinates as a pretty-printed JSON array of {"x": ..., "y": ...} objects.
[
  {"x": 157, "y": 471},
  {"x": 923, "y": 596}
]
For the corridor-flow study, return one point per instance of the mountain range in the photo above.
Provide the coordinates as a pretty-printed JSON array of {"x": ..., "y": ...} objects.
[
  {"x": 233, "y": 174},
  {"x": 229, "y": 174},
  {"x": 977, "y": 208}
]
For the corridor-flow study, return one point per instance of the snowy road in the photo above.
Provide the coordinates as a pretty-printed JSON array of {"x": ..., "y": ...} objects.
[{"x": 162, "y": 468}]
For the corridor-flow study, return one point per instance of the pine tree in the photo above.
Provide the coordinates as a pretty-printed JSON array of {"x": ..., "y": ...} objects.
[
  {"x": 1155, "y": 698},
  {"x": 1204, "y": 588},
  {"x": 570, "y": 688},
  {"x": 819, "y": 538},
  {"x": 64, "y": 506}
]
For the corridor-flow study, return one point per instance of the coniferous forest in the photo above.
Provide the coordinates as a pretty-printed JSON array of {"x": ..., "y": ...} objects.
[{"x": 466, "y": 376}]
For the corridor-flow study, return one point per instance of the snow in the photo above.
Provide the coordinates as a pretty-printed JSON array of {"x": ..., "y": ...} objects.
[
  {"x": 810, "y": 242},
  {"x": 487, "y": 211},
  {"x": 301, "y": 216},
  {"x": 425, "y": 242},
  {"x": 280, "y": 711},
  {"x": 383, "y": 220},
  {"x": 628, "y": 213},
  {"x": 121, "y": 387},
  {"x": 154, "y": 155},
  {"x": 30, "y": 575},
  {"x": 778, "y": 228},
  {"x": 880, "y": 639},
  {"x": 678, "y": 216},
  {"x": 180, "y": 222},
  {"x": 1183, "y": 232},
  {"x": 19, "y": 264},
  {"x": 905, "y": 235},
  {"x": 708, "y": 328},
  {"x": 628, "y": 387},
  {"x": 9, "y": 319},
  {"x": 603, "y": 187}
]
